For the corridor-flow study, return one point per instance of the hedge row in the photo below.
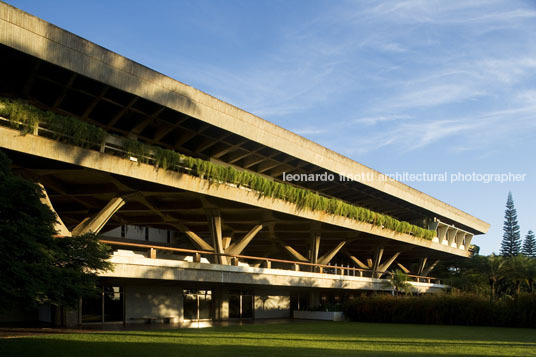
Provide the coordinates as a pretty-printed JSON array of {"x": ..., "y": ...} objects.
[
  {"x": 444, "y": 309},
  {"x": 25, "y": 118}
]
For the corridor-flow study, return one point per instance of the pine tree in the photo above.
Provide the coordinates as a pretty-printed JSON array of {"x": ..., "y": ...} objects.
[
  {"x": 511, "y": 243},
  {"x": 529, "y": 245}
]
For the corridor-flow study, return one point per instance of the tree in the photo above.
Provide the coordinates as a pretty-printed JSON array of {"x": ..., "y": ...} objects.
[
  {"x": 399, "y": 282},
  {"x": 518, "y": 268},
  {"x": 529, "y": 245},
  {"x": 35, "y": 267},
  {"x": 511, "y": 243},
  {"x": 493, "y": 267}
]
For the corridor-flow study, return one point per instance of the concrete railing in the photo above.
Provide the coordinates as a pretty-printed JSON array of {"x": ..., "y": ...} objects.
[{"x": 264, "y": 262}]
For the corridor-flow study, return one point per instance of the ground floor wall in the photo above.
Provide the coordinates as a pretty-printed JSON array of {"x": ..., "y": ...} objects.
[{"x": 131, "y": 301}]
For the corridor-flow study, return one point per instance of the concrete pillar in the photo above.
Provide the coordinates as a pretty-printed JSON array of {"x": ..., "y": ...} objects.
[
  {"x": 221, "y": 304},
  {"x": 314, "y": 299},
  {"x": 70, "y": 317}
]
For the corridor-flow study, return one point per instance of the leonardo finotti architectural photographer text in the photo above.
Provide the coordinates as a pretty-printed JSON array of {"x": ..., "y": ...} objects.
[{"x": 409, "y": 177}]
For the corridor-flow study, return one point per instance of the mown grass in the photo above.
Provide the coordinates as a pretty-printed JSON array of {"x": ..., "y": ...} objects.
[{"x": 291, "y": 339}]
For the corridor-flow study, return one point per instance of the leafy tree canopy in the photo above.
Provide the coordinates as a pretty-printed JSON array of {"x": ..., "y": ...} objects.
[{"x": 35, "y": 267}]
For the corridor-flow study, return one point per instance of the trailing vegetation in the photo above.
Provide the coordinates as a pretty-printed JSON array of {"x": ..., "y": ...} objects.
[
  {"x": 25, "y": 118},
  {"x": 444, "y": 309}
]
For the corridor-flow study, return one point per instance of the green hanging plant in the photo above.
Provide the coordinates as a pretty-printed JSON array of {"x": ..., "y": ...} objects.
[{"x": 26, "y": 118}]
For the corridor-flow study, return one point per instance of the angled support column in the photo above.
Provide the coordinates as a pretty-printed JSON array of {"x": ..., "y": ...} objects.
[
  {"x": 326, "y": 258},
  {"x": 215, "y": 222},
  {"x": 315, "y": 246},
  {"x": 430, "y": 268},
  {"x": 95, "y": 223},
  {"x": 385, "y": 265},
  {"x": 238, "y": 247},
  {"x": 59, "y": 226},
  {"x": 197, "y": 240},
  {"x": 293, "y": 252},
  {"x": 358, "y": 262},
  {"x": 404, "y": 269},
  {"x": 422, "y": 265},
  {"x": 377, "y": 260},
  {"x": 226, "y": 242}
]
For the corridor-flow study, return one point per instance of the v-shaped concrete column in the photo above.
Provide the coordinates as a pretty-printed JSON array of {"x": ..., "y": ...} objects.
[
  {"x": 382, "y": 268},
  {"x": 237, "y": 247},
  {"x": 430, "y": 268},
  {"x": 326, "y": 258},
  {"x": 215, "y": 222}
]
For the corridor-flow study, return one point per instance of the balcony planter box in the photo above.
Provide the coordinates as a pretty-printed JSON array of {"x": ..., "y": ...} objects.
[{"x": 319, "y": 315}]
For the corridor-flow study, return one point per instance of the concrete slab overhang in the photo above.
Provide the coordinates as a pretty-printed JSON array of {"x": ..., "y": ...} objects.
[
  {"x": 49, "y": 43},
  {"x": 50, "y": 149}
]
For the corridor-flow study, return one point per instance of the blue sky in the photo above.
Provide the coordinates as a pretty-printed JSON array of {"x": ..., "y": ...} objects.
[{"x": 400, "y": 86}]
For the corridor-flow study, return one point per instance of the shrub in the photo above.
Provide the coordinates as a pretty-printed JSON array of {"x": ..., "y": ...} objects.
[{"x": 444, "y": 309}]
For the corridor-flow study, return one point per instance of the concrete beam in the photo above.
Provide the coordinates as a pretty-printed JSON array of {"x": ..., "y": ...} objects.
[
  {"x": 326, "y": 258},
  {"x": 59, "y": 226},
  {"x": 95, "y": 223},
  {"x": 238, "y": 247}
]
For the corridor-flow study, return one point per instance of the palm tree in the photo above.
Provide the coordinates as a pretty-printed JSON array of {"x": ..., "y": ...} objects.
[
  {"x": 519, "y": 271},
  {"x": 399, "y": 282},
  {"x": 531, "y": 274},
  {"x": 493, "y": 267}
]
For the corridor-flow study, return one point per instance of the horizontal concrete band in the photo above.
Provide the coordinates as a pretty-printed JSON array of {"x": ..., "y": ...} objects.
[
  {"x": 163, "y": 269},
  {"x": 50, "y": 149},
  {"x": 38, "y": 38}
]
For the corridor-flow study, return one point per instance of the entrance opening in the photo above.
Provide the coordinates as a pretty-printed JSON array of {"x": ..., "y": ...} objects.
[
  {"x": 240, "y": 304},
  {"x": 197, "y": 305},
  {"x": 108, "y": 306}
]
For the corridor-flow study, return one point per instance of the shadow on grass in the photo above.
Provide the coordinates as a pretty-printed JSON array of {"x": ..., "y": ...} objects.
[{"x": 40, "y": 347}]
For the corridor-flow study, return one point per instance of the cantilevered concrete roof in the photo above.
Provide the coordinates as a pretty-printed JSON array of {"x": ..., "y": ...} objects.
[{"x": 41, "y": 40}]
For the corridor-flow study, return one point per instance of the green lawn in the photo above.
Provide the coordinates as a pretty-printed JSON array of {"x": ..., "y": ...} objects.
[{"x": 292, "y": 339}]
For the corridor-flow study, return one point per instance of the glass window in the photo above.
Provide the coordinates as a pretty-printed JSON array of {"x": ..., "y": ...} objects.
[{"x": 113, "y": 303}]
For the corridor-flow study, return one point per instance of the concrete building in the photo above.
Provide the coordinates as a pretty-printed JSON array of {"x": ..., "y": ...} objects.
[{"x": 189, "y": 248}]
